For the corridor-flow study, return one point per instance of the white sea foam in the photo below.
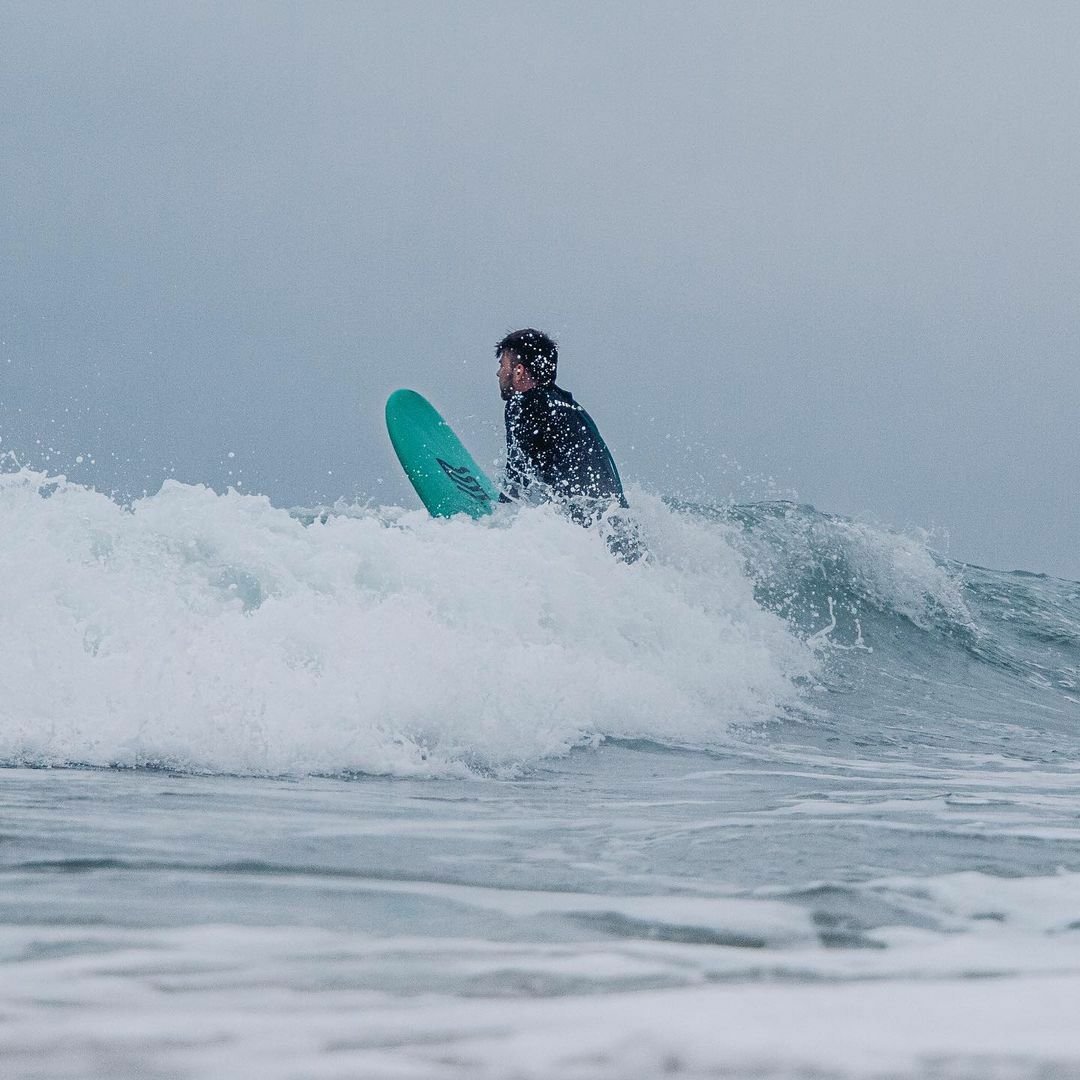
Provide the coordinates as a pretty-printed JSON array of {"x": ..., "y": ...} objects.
[
  {"x": 898, "y": 571},
  {"x": 274, "y": 1001},
  {"x": 216, "y": 632}
]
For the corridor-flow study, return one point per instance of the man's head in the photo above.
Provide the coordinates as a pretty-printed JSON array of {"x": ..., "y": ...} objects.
[{"x": 527, "y": 358}]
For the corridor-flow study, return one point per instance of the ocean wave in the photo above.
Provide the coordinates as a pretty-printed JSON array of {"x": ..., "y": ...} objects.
[
  {"x": 810, "y": 566},
  {"x": 216, "y": 632}
]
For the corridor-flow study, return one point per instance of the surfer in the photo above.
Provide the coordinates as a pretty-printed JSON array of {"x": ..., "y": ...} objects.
[{"x": 553, "y": 448}]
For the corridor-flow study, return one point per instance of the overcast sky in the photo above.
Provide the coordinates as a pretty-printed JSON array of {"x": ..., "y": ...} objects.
[{"x": 835, "y": 244}]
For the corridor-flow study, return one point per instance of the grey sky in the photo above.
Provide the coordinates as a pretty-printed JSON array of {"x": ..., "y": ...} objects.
[{"x": 838, "y": 244}]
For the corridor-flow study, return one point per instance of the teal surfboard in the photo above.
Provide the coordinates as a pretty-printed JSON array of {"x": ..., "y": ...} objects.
[{"x": 444, "y": 474}]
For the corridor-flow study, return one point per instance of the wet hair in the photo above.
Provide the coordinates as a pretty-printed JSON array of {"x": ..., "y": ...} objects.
[{"x": 536, "y": 350}]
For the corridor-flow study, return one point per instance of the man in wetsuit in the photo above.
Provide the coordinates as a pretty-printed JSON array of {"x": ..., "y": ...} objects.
[{"x": 553, "y": 449}]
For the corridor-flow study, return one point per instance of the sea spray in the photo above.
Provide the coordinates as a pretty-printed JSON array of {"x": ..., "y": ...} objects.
[{"x": 216, "y": 632}]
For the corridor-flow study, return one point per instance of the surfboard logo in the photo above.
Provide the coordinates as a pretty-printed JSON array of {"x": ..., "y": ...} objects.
[{"x": 464, "y": 480}]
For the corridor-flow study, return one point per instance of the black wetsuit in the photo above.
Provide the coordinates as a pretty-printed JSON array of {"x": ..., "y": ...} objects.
[{"x": 553, "y": 450}]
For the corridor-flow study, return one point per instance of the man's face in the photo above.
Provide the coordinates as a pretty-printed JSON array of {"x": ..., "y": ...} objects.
[{"x": 506, "y": 374}]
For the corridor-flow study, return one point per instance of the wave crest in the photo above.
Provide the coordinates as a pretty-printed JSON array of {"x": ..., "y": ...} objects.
[{"x": 219, "y": 633}]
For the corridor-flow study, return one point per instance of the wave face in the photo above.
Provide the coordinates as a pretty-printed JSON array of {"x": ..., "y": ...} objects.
[
  {"x": 920, "y": 654},
  {"x": 219, "y": 634}
]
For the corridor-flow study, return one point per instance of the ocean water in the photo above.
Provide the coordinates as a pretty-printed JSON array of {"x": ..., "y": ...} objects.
[{"x": 356, "y": 793}]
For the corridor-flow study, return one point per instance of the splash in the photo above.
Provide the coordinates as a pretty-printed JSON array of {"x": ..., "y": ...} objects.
[{"x": 219, "y": 633}]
